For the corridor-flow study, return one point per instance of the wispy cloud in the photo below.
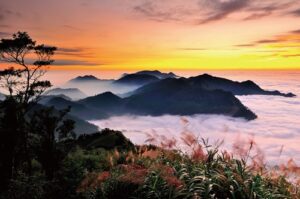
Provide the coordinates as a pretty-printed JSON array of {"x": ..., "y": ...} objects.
[
  {"x": 193, "y": 49},
  {"x": 296, "y": 31},
  {"x": 257, "y": 15},
  {"x": 71, "y": 27},
  {"x": 218, "y": 9},
  {"x": 245, "y": 45},
  {"x": 62, "y": 62},
  {"x": 261, "y": 9},
  {"x": 292, "y": 37},
  {"x": 5, "y": 34},
  {"x": 153, "y": 11},
  {"x": 75, "y": 52},
  {"x": 206, "y": 11},
  {"x": 5, "y": 13},
  {"x": 268, "y": 41},
  {"x": 292, "y": 55},
  {"x": 4, "y": 26},
  {"x": 296, "y": 12},
  {"x": 284, "y": 45}
]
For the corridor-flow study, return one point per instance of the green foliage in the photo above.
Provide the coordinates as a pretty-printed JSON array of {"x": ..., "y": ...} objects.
[
  {"x": 179, "y": 176},
  {"x": 108, "y": 174},
  {"x": 25, "y": 187},
  {"x": 108, "y": 139}
]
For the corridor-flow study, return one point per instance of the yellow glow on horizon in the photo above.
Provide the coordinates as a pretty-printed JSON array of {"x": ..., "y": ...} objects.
[
  {"x": 266, "y": 57},
  {"x": 110, "y": 35}
]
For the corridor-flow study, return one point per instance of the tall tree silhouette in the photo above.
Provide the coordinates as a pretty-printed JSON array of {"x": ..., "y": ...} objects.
[
  {"x": 50, "y": 127},
  {"x": 23, "y": 78},
  {"x": 28, "y": 63}
]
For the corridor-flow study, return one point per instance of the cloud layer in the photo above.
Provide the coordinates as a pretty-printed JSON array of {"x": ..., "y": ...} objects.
[{"x": 277, "y": 125}]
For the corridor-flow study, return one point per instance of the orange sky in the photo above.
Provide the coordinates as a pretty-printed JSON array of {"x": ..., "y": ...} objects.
[{"x": 161, "y": 34}]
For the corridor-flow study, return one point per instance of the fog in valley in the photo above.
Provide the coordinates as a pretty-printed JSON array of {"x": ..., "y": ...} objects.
[{"x": 276, "y": 128}]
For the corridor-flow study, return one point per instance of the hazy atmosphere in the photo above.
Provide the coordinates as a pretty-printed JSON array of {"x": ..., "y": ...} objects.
[
  {"x": 277, "y": 129},
  {"x": 149, "y": 99}
]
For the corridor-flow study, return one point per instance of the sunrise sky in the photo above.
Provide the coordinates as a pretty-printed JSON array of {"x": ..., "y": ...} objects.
[{"x": 161, "y": 34}]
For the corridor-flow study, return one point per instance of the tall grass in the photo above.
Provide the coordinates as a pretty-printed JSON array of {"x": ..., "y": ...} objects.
[{"x": 203, "y": 171}]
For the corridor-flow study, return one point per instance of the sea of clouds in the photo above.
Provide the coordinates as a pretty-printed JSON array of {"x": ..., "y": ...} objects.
[{"x": 276, "y": 131}]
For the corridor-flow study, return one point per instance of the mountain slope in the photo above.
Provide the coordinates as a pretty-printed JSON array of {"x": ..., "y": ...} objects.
[
  {"x": 179, "y": 97},
  {"x": 170, "y": 96},
  {"x": 81, "y": 126},
  {"x": 84, "y": 79},
  {"x": 237, "y": 88},
  {"x": 106, "y": 102},
  {"x": 108, "y": 139},
  {"x": 203, "y": 94},
  {"x": 77, "y": 109},
  {"x": 44, "y": 99},
  {"x": 73, "y": 93},
  {"x": 136, "y": 79},
  {"x": 157, "y": 74}
]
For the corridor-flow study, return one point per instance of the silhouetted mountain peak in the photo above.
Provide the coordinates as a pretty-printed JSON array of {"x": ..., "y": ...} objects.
[
  {"x": 84, "y": 78},
  {"x": 101, "y": 100},
  {"x": 251, "y": 84},
  {"x": 205, "y": 75},
  {"x": 137, "y": 79},
  {"x": 107, "y": 95},
  {"x": 157, "y": 74},
  {"x": 46, "y": 98},
  {"x": 173, "y": 74}
]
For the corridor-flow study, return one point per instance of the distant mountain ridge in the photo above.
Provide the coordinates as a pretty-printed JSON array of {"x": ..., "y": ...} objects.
[
  {"x": 179, "y": 97},
  {"x": 157, "y": 74},
  {"x": 92, "y": 86},
  {"x": 137, "y": 79},
  {"x": 84, "y": 78},
  {"x": 209, "y": 82},
  {"x": 73, "y": 93},
  {"x": 248, "y": 87},
  {"x": 107, "y": 98},
  {"x": 46, "y": 98},
  {"x": 203, "y": 94},
  {"x": 77, "y": 109},
  {"x": 168, "y": 96}
]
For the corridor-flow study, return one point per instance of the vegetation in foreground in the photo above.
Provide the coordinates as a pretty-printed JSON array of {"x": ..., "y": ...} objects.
[
  {"x": 94, "y": 169},
  {"x": 40, "y": 156},
  {"x": 203, "y": 172}
]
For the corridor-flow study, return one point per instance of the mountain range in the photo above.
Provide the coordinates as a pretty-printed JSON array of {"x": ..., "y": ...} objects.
[
  {"x": 137, "y": 79},
  {"x": 248, "y": 87},
  {"x": 155, "y": 73},
  {"x": 203, "y": 94},
  {"x": 84, "y": 78}
]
